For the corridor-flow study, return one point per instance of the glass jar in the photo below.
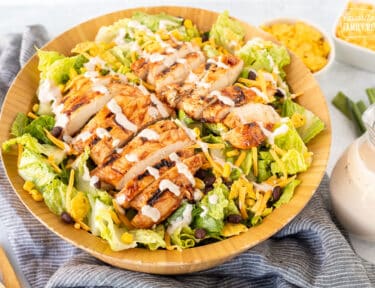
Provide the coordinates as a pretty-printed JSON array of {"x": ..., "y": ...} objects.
[{"x": 352, "y": 188}]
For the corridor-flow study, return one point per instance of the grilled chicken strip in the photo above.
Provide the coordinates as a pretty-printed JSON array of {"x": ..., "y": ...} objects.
[
  {"x": 146, "y": 149},
  {"x": 129, "y": 111},
  {"x": 88, "y": 93},
  {"x": 245, "y": 136},
  {"x": 136, "y": 185},
  {"x": 147, "y": 68},
  {"x": 165, "y": 193}
]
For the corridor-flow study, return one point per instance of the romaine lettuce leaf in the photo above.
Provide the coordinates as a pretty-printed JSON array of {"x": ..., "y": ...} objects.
[
  {"x": 32, "y": 144},
  {"x": 183, "y": 238},
  {"x": 227, "y": 32},
  {"x": 287, "y": 193},
  {"x": 313, "y": 125},
  {"x": 35, "y": 128},
  {"x": 152, "y": 239},
  {"x": 19, "y": 125},
  {"x": 156, "y": 21},
  {"x": 264, "y": 165},
  {"x": 54, "y": 194},
  {"x": 46, "y": 59},
  {"x": 293, "y": 161},
  {"x": 291, "y": 140},
  {"x": 261, "y": 54},
  {"x": 212, "y": 210}
]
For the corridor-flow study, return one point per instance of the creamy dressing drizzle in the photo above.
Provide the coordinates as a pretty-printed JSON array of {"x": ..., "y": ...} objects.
[
  {"x": 182, "y": 168},
  {"x": 272, "y": 135},
  {"x": 120, "y": 117},
  {"x": 259, "y": 93},
  {"x": 224, "y": 99},
  {"x": 94, "y": 180},
  {"x": 120, "y": 198},
  {"x": 115, "y": 142},
  {"x": 159, "y": 105},
  {"x": 149, "y": 134},
  {"x": 212, "y": 199},
  {"x": 151, "y": 212},
  {"x": 131, "y": 157},
  {"x": 153, "y": 172},
  {"x": 83, "y": 136},
  {"x": 166, "y": 184},
  {"x": 101, "y": 132},
  {"x": 182, "y": 221},
  {"x": 217, "y": 63}
]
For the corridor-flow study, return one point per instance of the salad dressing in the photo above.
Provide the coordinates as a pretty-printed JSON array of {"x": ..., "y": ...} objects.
[
  {"x": 224, "y": 99},
  {"x": 182, "y": 168},
  {"x": 151, "y": 212},
  {"x": 83, "y": 136},
  {"x": 272, "y": 135},
  {"x": 166, "y": 184},
  {"x": 101, "y": 132},
  {"x": 115, "y": 142},
  {"x": 48, "y": 92},
  {"x": 352, "y": 184},
  {"x": 120, "y": 117},
  {"x": 159, "y": 105},
  {"x": 149, "y": 134},
  {"x": 182, "y": 221},
  {"x": 131, "y": 157},
  {"x": 153, "y": 172},
  {"x": 259, "y": 93}
]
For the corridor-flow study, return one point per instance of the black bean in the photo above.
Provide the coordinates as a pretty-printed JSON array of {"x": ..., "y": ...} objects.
[
  {"x": 208, "y": 189},
  {"x": 252, "y": 75},
  {"x": 207, "y": 66},
  {"x": 279, "y": 93},
  {"x": 56, "y": 131},
  {"x": 234, "y": 218},
  {"x": 65, "y": 216},
  {"x": 201, "y": 174},
  {"x": 276, "y": 193},
  {"x": 209, "y": 180},
  {"x": 205, "y": 36},
  {"x": 200, "y": 233}
]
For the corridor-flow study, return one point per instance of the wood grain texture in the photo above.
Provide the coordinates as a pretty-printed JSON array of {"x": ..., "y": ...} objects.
[
  {"x": 8, "y": 275},
  {"x": 20, "y": 99}
]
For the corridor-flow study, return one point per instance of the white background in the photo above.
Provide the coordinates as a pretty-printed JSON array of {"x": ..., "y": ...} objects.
[{"x": 60, "y": 15}]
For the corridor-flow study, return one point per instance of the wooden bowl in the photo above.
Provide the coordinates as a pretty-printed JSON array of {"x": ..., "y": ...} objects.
[{"x": 21, "y": 96}]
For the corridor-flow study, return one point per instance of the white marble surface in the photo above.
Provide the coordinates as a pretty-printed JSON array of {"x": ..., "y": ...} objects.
[{"x": 60, "y": 15}]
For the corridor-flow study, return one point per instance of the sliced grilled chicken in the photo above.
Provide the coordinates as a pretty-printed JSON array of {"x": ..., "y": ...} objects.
[
  {"x": 245, "y": 136},
  {"x": 86, "y": 96},
  {"x": 129, "y": 111},
  {"x": 222, "y": 71},
  {"x": 136, "y": 185},
  {"x": 149, "y": 66},
  {"x": 176, "y": 184},
  {"x": 150, "y": 215},
  {"x": 120, "y": 167},
  {"x": 251, "y": 112}
]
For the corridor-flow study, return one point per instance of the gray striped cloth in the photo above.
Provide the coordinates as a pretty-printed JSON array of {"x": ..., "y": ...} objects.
[{"x": 309, "y": 252}]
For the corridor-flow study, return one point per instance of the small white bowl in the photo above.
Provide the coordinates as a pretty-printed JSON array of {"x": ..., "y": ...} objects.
[
  {"x": 326, "y": 37},
  {"x": 352, "y": 54}
]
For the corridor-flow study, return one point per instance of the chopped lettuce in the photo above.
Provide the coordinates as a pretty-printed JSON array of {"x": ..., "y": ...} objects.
[
  {"x": 59, "y": 69},
  {"x": 19, "y": 125},
  {"x": 35, "y": 128},
  {"x": 291, "y": 140},
  {"x": 212, "y": 210},
  {"x": 247, "y": 163},
  {"x": 293, "y": 161},
  {"x": 184, "y": 118},
  {"x": 105, "y": 227},
  {"x": 216, "y": 128},
  {"x": 54, "y": 194},
  {"x": 32, "y": 144},
  {"x": 261, "y": 54},
  {"x": 184, "y": 238},
  {"x": 152, "y": 239},
  {"x": 34, "y": 168},
  {"x": 264, "y": 161},
  {"x": 227, "y": 32},
  {"x": 107, "y": 34},
  {"x": 158, "y": 21},
  {"x": 287, "y": 193},
  {"x": 313, "y": 125},
  {"x": 22, "y": 125}
]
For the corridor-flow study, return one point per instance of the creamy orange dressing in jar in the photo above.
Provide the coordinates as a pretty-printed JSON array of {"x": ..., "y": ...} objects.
[{"x": 352, "y": 187}]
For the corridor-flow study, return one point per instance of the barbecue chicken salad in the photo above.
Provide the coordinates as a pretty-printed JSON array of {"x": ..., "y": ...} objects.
[{"x": 159, "y": 135}]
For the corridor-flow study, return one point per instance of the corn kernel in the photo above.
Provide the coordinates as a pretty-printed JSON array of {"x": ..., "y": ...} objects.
[
  {"x": 233, "y": 153},
  {"x": 77, "y": 226},
  {"x": 197, "y": 41},
  {"x": 127, "y": 238},
  {"x": 298, "y": 120},
  {"x": 28, "y": 185},
  {"x": 199, "y": 184},
  {"x": 226, "y": 170},
  {"x": 36, "y": 195},
  {"x": 188, "y": 24},
  {"x": 35, "y": 108},
  {"x": 250, "y": 202},
  {"x": 177, "y": 35}
]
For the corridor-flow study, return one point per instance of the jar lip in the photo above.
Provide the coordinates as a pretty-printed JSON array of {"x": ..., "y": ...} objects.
[{"x": 368, "y": 118}]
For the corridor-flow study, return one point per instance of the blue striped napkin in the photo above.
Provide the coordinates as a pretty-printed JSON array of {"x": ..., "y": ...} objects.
[{"x": 309, "y": 252}]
